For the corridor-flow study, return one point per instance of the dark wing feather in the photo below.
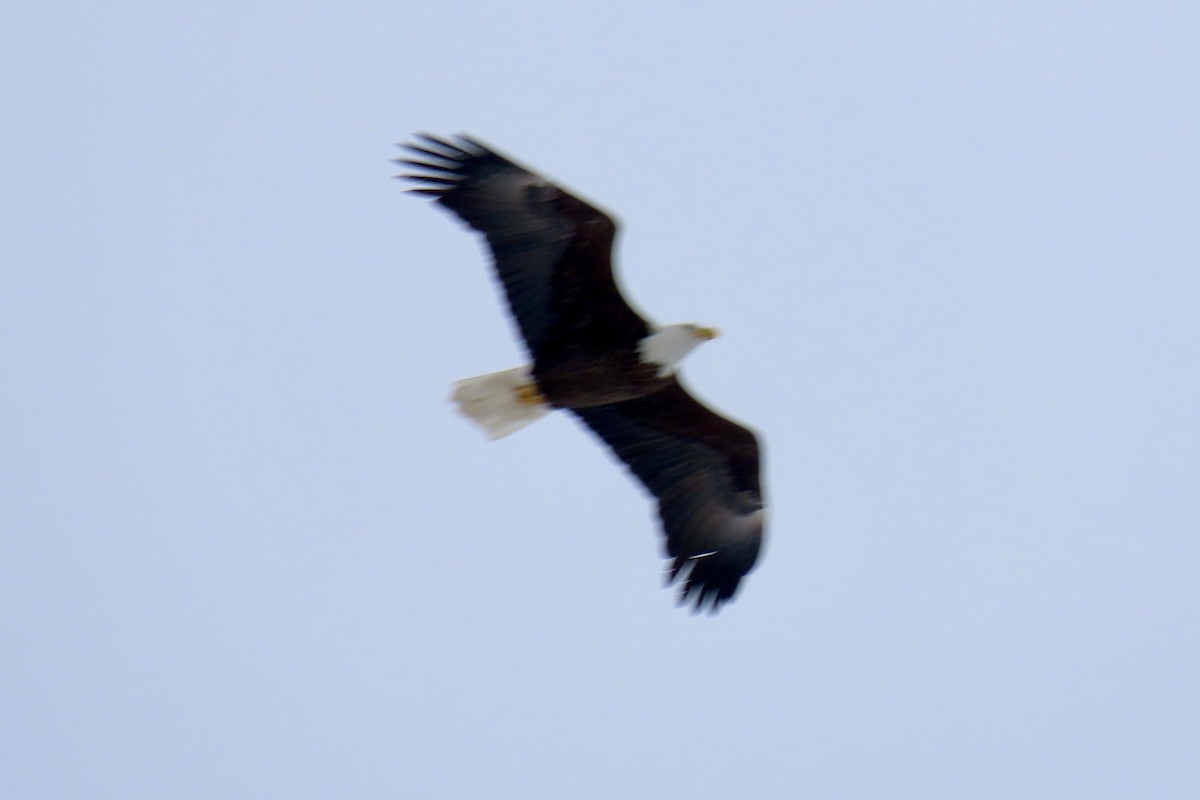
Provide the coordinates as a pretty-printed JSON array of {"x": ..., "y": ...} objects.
[
  {"x": 553, "y": 251},
  {"x": 704, "y": 470}
]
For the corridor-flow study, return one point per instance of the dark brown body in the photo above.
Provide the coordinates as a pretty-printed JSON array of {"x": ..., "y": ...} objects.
[{"x": 584, "y": 382}]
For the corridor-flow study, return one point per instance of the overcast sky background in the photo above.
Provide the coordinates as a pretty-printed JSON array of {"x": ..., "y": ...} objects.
[{"x": 250, "y": 551}]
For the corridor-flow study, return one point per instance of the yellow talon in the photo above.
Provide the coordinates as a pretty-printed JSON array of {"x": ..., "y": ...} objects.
[{"x": 528, "y": 394}]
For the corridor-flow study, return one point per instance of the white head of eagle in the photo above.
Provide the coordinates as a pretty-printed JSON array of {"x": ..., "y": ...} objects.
[{"x": 670, "y": 344}]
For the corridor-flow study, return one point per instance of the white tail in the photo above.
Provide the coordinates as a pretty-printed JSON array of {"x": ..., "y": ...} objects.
[{"x": 493, "y": 402}]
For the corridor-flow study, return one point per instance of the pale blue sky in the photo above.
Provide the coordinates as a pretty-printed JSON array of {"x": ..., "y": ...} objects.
[{"x": 250, "y": 551}]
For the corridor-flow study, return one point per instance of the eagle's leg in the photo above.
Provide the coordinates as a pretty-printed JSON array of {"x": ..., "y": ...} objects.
[{"x": 529, "y": 394}]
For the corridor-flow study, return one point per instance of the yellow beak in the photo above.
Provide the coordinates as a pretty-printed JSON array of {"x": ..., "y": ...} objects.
[{"x": 706, "y": 334}]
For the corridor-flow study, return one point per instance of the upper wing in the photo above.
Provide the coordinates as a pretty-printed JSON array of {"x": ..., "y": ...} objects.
[
  {"x": 553, "y": 251},
  {"x": 704, "y": 470}
]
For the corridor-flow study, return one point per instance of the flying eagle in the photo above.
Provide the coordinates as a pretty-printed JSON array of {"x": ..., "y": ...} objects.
[{"x": 597, "y": 357}]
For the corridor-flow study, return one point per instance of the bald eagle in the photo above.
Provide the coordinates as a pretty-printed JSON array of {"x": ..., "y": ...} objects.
[{"x": 598, "y": 358}]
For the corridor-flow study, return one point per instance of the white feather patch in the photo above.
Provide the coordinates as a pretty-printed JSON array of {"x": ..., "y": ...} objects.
[{"x": 491, "y": 401}]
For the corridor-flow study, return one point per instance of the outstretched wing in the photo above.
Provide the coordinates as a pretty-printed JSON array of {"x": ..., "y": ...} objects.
[
  {"x": 552, "y": 251},
  {"x": 704, "y": 470}
]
